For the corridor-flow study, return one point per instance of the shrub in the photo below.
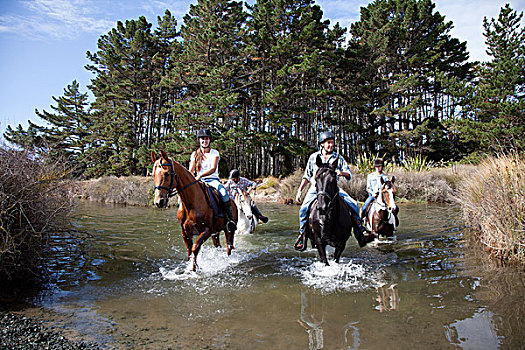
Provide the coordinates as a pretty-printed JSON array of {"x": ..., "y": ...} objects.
[
  {"x": 34, "y": 201},
  {"x": 289, "y": 186},
  {"x": 417, "y": 163},
  {"x": 493, "y": 203}
]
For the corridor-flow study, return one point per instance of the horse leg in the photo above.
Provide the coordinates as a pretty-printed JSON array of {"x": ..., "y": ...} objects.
[
  {"x": 229, "y": 241},
  {"x": 197, "y": 246},
  {"x": 187, "y": 240},
  {"x": 338, "y": 252},
  {"x": 216, "y": 240},
  {"x": 321, "y": 248}
]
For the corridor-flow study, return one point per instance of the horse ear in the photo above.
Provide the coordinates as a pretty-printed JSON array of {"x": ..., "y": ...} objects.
[
  {"x": 393, "y": 179},
  {"x": 164, "y": 154},
  {"x": 153, "y": 157},
  {"x": 319, "y": 161},
  {"x": 382, "y": 180},
  {"x": 334, "y": 164}
]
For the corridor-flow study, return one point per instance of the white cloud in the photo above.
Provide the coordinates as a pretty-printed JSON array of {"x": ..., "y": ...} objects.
[{"x": 54, "y": 18}]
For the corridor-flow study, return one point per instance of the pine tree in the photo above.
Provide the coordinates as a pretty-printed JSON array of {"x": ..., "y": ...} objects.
[
  {"x": 64, "y": 134},
  {"x": 494, "y": 113}
]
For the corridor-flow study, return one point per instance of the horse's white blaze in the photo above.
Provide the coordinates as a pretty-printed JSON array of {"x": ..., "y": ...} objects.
[
  {"x": 391, "y": 201},
  {"x": 246, "y": 221},
  {"x": 157, "y": 174}
]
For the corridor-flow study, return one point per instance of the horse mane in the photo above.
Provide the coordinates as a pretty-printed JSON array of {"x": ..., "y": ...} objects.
[{"x": 182, "y": 168}]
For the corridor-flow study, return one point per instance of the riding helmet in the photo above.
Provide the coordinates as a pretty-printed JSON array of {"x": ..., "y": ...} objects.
[
  {"x": 379, "y": 162},
  {"x": 326, "y": 135},
  {"x": 204, "y": 133},
  {"x": 234, "y": 173}
]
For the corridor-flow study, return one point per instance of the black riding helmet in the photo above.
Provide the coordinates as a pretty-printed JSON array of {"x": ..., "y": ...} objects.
[
  {"x": 326, "y": 135},
  {"x": 379, "y": 162},
  {"x": 234, "y": 173},
  {"x": 203, "y": 133}
]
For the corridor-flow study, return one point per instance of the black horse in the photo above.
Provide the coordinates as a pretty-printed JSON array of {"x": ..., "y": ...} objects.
[{"x": 331, "y": 220}]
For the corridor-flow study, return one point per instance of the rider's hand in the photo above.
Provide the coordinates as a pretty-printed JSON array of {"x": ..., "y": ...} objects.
[
  {"x": 298, "y": 197},
  {"x": 198, "y": 177},
  {"x": 338, "y": 172}
]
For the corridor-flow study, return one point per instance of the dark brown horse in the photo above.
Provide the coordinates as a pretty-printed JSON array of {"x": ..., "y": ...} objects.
[
  {"x": 195, "y": 214},
  {"x": 330, "y": 221},
  {"x": 382, "y": 214}
]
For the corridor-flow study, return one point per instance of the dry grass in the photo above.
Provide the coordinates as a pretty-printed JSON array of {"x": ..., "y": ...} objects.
[
  {"x": 34, "y": 201},
  {"x": 130, "y": 190},
  {"x": 435, "y": 185},
  {"x": 493, "y": 202}
]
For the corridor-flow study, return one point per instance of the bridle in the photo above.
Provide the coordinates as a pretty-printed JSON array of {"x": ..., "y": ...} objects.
[
  {"x": 331, "y": 198},
  {"x": 174, "y": 178},
  {"x": 383, "y": 207}
]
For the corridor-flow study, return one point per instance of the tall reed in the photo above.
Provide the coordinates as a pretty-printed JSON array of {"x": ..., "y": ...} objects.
[{"x": 493, "y": 203}]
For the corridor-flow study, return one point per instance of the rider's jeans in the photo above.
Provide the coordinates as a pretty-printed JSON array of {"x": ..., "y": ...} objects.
[
  {"x": 311, "y": 195},
  {"x": 216, "y": 183},
  {"x": 367, "y": 202}
]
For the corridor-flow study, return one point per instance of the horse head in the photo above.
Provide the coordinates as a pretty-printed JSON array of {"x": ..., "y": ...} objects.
[
  {"x": 164, "y": 177},
  {"x": 387, "y": 197},
  {"x": 244, "y": 203},
  {"x": 326, "y": 185}
]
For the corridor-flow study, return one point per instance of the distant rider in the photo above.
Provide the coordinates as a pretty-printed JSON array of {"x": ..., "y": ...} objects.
[
  {"x": 327, "y": 145},
  {"x": 373, "y": 186},
  {"x": 238, "y": 183}
]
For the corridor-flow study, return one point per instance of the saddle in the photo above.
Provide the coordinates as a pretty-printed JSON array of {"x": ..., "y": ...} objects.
[{"x": 213, "y": 199}]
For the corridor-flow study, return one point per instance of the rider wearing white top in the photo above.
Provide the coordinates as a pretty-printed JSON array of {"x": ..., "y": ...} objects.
[
  {"x": 208, "y": 163},
  {"x": 205, "y": 163}
]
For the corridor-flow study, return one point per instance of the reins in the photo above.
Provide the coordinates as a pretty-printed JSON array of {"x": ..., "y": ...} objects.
[{"x": 172, "y": 191}]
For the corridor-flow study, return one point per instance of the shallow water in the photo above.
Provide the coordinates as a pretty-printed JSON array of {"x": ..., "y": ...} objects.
[{"x": 123, "y": 281}]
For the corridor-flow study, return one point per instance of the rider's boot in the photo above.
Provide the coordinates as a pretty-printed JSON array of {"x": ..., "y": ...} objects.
[
  {"x": 258, "y": 214},
  {"x": 227, "y": 208},
  {"x": 301, "y": 243},
  {"x": 359, "y": 232}
]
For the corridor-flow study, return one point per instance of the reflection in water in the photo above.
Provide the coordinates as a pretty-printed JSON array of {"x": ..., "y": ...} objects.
[
  {"x": 355, "y": 335},
  {"x": 387, "y": 297},
  {"x": 311, "y": 321}
]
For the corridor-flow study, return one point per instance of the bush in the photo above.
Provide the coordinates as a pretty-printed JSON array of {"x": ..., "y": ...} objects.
[
  {"x": 493, "y": 203},
  {"x": 34, "y": 201}
]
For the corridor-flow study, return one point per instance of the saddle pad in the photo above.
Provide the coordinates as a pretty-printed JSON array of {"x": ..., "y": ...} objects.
[{"x": 213, "y": 195}]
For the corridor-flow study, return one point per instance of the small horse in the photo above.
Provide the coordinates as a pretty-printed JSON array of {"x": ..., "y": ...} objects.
[
  {"x": 381, "y": 216},
  {"x": 195, "y": 214},
  {"x": 330, "y": 221},
  {"x": 246, "y": 221}
]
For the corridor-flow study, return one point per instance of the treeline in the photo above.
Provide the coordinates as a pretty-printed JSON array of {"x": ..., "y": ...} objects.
[{"x": 267, "y": 78}]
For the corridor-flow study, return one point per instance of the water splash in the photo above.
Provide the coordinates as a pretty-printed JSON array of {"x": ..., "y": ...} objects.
[
  {"x": 211, "y": 262},
  {"x": 349, "y": 276}
]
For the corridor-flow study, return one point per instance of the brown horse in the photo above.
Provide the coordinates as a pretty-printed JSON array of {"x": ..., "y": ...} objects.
[
  {"x": 195, "y": 214},
  {"x": 382, "y": 213}
]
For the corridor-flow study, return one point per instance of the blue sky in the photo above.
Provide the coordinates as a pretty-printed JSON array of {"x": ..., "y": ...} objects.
[{"x": 43, "y": 43}]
